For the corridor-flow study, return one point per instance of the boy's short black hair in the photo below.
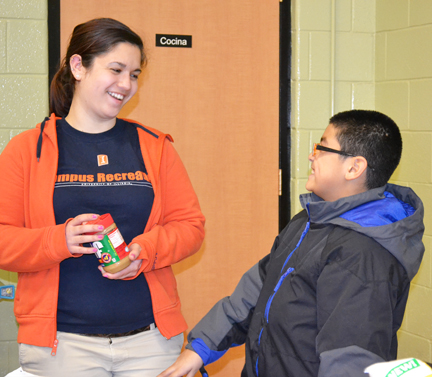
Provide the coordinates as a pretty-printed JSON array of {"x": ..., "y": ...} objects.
[{"x": 374, "y": 136}]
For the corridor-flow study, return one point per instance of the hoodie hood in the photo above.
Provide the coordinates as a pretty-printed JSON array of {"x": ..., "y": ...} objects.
[{"x": 392, "y": 215}]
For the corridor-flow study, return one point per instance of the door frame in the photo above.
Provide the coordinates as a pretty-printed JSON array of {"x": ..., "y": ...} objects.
[{"x": 284, "y": 113}]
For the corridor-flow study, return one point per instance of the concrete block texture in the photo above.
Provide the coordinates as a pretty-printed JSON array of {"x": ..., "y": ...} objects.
[
  {"x": 392, "y": 14},
  {"x": 312, "y": 102},
  {"x": 416, "y": 150},
  {"x": 317, "y": 14},
  {"x": 3, "y": 25},
  {"x": 398, "y": 107},
  {"x": 424, "y": 275},
  {"x": 418, "y": 321},
  {"x": 8, "y": 329},
  {"x": 8, "y": 357},
  {"x": 299, "y": 158},
  {"x": 29, "y": 9},
  {"x": 343, "y": 96},
  {"x": 354, "y": 56},
  {"x": 363, "y": 16},
  {"x": 380, "y": 56},
  {"x": 363, "y": 95},
  {"x": 8, "y": 325},
  {"x": 4, "y": 138},
  {"x": 420, "y": 12},
  {"x": 300, "y": 59},
  {"x": 319, "y": 56},
  {"x": 420, "y": 109},
  {"x": 413, "y": 346},
  {"x": 27, "y": 47},
  {"x": 313, "y": 14},
  {"x": 408, "y": 53},
  {"x": 23, "y": 100},
  {"x": 423, "y": 190}
]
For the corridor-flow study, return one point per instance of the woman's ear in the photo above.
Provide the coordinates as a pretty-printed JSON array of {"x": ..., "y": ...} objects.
[
  {"x": 76, "y": 66},
  {"x": 356, "y": 168}
]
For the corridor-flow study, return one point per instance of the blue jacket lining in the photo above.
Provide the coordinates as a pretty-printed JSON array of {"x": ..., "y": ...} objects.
[{"x": 379, "y": 212}]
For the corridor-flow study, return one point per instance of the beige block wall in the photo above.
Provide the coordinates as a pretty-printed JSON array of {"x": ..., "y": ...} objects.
[
  {"x": 333, "y": 67},
  {"x": 403, "y": 90},
  {"x": 371, "y": 54},
  {"x": 23, "y": 103}
]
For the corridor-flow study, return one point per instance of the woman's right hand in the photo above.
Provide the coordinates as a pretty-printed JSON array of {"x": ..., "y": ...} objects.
[{"x": 76, "y": 230}]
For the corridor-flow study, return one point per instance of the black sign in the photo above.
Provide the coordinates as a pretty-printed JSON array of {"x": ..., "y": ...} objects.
[{"x": 170, "y": 40}]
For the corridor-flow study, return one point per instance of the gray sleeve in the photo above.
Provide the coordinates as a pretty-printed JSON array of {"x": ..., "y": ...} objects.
[
  {"x": 227, "y": 323},
  {"x": 346, "y": 362}
]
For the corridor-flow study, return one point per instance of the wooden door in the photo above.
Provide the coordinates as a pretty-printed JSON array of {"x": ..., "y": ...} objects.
[{"x": 219, "y": 101}]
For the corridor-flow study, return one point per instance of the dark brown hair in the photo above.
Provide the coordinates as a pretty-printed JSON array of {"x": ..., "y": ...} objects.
[
  {"x": 89, "y": 39},
  {"x": 374, "y": 136}
]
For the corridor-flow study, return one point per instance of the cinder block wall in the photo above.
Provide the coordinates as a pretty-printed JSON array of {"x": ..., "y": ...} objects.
[
  {"x": 332, "y": 70},
  {"x": 404, "y": 90},
  {"x": 23, "y": 103}
]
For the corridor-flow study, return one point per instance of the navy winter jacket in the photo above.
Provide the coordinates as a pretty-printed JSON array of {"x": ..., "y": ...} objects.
[{"x": 329, "y": 298}]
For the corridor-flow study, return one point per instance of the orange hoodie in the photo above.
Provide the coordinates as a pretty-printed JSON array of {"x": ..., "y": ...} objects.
[{"x": 33, "y": 245}]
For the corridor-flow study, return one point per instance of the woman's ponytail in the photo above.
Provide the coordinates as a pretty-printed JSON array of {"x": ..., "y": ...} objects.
[{"x": 62, "y": 91}]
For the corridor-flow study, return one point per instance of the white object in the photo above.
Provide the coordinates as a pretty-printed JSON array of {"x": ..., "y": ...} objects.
[
  {"x": 20, "y": 373},
  {"x": 405, "y": 368}
]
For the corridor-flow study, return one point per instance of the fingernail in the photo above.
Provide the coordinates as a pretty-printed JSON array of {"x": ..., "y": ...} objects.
[
  {"x": 101, "y": 236},
  {"x": 100, "y": 227},
  {"x": 95, "y": 216},
  {"x": 105, "y": 275}
]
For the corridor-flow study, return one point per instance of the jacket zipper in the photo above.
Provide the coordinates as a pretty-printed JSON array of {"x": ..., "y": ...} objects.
[
  {"x": 279, "y": 283},
  {"x": 54, "y": 349},
  {"x": 269, "y": 302},
  {"x": 267, "y": 309}
]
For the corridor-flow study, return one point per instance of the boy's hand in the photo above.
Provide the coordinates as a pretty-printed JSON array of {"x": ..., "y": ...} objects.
[{"x": 187, "y": 364}]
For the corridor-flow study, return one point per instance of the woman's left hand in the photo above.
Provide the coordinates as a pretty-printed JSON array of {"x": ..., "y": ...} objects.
[{"x": 131, "y": 270}]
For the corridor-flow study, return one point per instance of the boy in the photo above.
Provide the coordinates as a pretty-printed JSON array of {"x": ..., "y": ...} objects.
[{"x": 330, "y": 297}]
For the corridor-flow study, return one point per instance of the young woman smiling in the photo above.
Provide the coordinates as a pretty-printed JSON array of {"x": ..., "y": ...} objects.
[{"x": 75, "y": 318}]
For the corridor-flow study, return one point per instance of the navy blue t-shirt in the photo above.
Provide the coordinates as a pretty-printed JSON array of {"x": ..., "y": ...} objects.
[{"x": 102, "y": 173}]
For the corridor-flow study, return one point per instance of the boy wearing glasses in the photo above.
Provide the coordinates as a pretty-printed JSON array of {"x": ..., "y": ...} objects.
[{"x": 329, "y": 298}]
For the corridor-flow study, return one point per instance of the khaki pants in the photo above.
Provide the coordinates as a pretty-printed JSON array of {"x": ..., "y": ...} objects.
[{"x": 145, "y": 355}]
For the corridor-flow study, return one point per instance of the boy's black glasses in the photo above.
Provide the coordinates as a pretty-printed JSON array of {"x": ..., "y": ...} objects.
[{"x": 319, "y": 147}]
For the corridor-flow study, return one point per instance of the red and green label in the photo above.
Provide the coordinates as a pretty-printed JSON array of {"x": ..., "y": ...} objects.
[{"x": 111, "y": 249}]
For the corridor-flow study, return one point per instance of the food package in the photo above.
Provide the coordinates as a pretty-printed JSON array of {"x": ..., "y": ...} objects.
[{"x": 404, "y": 367}]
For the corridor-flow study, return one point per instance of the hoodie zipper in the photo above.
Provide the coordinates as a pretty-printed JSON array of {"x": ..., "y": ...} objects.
[
  {"x": 54, "y": 349},
  {"x": 278, "y": 285}
]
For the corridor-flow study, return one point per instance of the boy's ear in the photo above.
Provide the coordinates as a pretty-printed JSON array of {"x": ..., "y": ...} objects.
[{"x": 356, "y": 168}]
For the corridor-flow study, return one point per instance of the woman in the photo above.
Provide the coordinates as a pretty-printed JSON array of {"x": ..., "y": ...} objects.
[{"x": 76, "y": 165}]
